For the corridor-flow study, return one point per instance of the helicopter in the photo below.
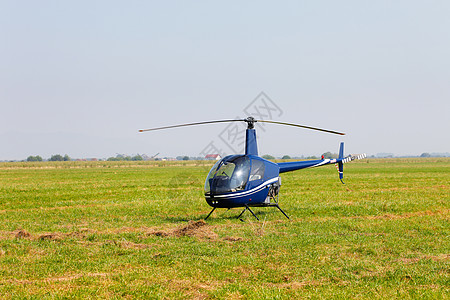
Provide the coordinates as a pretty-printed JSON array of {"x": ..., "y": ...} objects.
[{"x": 248, "y": 180}]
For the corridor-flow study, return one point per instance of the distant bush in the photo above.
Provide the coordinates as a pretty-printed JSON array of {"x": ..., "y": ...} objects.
[
  {"x": 329, "y": 155},
  {"x": 182, "y": 157},
  {"x": 56, "y": 157},
  {"x": 34, "y": 158}
]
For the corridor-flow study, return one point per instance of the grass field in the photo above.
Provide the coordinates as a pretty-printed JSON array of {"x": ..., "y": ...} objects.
[{"x": 135, "y": 230}]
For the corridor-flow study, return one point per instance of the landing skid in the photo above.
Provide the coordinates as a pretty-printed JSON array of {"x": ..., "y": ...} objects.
[
  {"x": 251, "y": 211},
  {"x": 269, "y": 204}
]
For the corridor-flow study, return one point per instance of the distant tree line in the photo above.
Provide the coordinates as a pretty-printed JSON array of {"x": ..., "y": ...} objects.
[
  {"x": 34, "y": 158},
  {"x": 326, "y": 155},
  {"x": 185, "y": 157},
  {"x": 329, "y": 155},
  {"x": 56, "y": 157},
  {"x": 121, "y": 157},
  {"x": 268, "y": 156},
  {"x": 138, "y": 157}
]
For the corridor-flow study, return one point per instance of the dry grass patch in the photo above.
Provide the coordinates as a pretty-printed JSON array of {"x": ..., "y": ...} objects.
[
  {"x": 74, "y": 277},
  {"x": 193, "y": 289},
  {"x": 296, "y": 285},
  {"x": 436, "y": 258},
  {"x": 137, "y": 246}
]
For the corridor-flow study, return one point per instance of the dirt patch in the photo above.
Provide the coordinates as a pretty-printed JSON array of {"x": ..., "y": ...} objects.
[
  {"x": 244, "y": 271},
  {"x": 441, "y": 257},
  {"x": 76, "y": 234},
  {"x": 49, "y": 236},
  {"x": 232, "y": 239},
  {"x": 443, "y": 212},
  {"x": 79, "y": 236},
  {"x": 407, "y": 215},
  {"x": 20, "y": 234},
  {"x": 192, "y": 289},
  {"x": 191, "y": 229},
  {"x": 296, "y": 285},
  {"x": 199, "y": 229},
  {"x": 438, "y": 258},
  {"x": 125, "y": 230},
  {"x": 409, "y": 260},
  {"x": 159, "y": 233},
  {"x": 74, "y": 277},
  {"x": 131, "y": 245},
  {"x": 396, "y": 189}
]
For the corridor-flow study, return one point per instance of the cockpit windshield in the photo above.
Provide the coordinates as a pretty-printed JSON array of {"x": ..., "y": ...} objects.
[{"x": 228, "y": 175}]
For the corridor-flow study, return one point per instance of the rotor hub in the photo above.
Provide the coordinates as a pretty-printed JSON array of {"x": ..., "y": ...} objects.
[{"x": 250, "y": 122}]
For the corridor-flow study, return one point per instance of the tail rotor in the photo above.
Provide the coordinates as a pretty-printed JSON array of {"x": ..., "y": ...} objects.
[
  {"x": 341, "y": 160},
  {"x": 340, "y": 164}
]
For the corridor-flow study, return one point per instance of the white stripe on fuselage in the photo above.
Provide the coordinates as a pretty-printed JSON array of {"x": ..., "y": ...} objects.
[
  {"x": 252, "y": 191},
  {"x": 324, "y": 162}
]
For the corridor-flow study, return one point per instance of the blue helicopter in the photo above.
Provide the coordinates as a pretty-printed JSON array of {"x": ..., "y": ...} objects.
[{"x": 248, "y": 180}]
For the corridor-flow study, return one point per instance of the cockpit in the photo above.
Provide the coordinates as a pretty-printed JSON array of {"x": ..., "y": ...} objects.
[{"x": 233, "y": 173}]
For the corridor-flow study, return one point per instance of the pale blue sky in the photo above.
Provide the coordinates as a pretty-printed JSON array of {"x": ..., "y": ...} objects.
[{"x": 81, "y": 77}]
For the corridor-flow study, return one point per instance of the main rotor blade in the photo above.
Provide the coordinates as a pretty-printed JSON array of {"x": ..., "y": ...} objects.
[
  {"x": 191, "y": 124},
  {"x": 250, "y": 121},
  {"x": 302, "y": 126}
]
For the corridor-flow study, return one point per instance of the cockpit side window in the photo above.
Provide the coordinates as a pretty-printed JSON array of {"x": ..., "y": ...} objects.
[
  {"x": 229, "y": 175},
  {"x": 239, "y": 174},
  {"x": 211, "y": 174},
  {"x": 257, "y": 171},
  {"x": 226, "y": 169}
]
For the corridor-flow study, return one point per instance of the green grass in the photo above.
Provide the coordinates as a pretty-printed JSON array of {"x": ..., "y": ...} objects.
[{"x": 130, "y": 230}]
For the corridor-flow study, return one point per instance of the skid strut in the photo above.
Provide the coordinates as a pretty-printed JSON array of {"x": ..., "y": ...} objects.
[
  {"x": 248, "y": 208},
  {"x": 282, "y": 211},
  {"x": 210, "y": 213}
]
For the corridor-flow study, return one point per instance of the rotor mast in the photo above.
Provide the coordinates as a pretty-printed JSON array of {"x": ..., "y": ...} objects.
[{"x": 251, "y": 145}]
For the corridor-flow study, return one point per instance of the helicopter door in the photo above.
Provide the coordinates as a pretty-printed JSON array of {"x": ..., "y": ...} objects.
[{"x": 256, "y": 173}]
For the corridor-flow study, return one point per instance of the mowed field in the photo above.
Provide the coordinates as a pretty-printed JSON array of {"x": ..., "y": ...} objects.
[{"x": 136, "y": 230}]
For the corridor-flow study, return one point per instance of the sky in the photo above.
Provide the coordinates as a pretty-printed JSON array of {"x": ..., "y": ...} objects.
[{"x": 82, "y": 77}]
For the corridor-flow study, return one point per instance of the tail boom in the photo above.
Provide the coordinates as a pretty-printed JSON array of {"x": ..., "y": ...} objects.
[{"x": 340, "y": 161}]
